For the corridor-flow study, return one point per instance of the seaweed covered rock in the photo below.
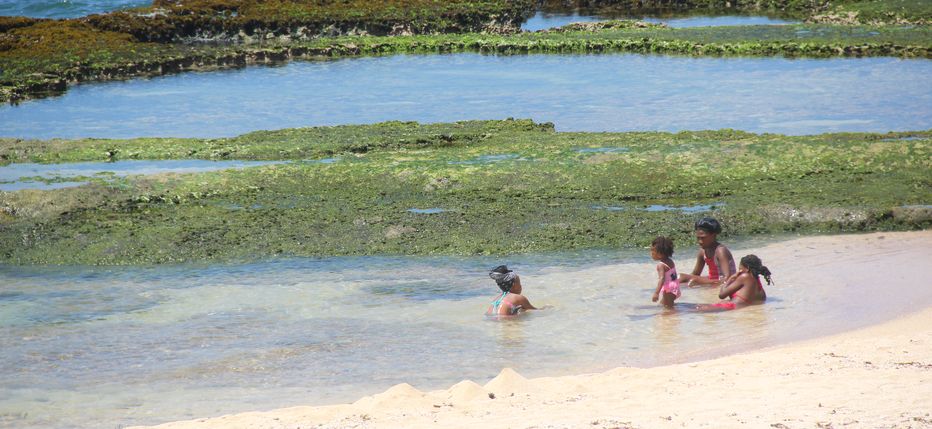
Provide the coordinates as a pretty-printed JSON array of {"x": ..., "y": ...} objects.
[
  {"x": 8, "y": 23},
  {"x": 248, "y": 21},
  {"x": 806, "y": 6},
  {"x": 896, "y": 12},
  {"x": 603, "y": 25}
]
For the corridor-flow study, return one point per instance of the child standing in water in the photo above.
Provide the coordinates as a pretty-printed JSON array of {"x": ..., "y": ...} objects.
[
  {"x": 712, "y": 254},
  {"x": 668, "y": 284}
]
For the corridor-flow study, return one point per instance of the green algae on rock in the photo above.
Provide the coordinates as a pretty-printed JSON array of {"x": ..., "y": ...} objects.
[
  {"x": 497, "y": 187},
  {"x": 255, "y": 21},
  {"x": 844, "y": 12},
  {"x": 872, "y": 12}
]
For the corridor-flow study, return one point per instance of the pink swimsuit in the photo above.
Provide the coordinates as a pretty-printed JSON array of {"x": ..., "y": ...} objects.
[{"x": 671, "y": 283}]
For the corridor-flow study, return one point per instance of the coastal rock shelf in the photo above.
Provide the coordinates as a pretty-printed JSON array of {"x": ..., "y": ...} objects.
[
  {"x": 402, "y": 188},
  {"x": 35, "y": 65}
]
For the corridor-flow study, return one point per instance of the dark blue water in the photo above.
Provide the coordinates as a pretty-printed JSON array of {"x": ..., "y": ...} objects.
[
  {"x": 65, "y": 8},
  {"x": 575, "y": 92},
  {"x": 546, "y": 20}
]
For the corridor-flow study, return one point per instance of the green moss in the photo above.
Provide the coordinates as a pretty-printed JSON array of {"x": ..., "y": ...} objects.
[
  {"x": 294, "y": 143},
  {"x": 878, "y": 12},
  {"x": 166, "y": 21},
  {"x": 8, "y": 23},
  {"x": 504, "y": 186},
  {"x": 64, "y": 50}
]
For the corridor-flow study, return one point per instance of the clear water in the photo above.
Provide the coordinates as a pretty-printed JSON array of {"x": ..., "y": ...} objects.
[
  {"x": 686, "y": 209},
  {"x": 65, "y": 8},
  {"x": 698, "y": 208},
  {"x": 718, "y": 21},
  {"x": 487, "y": 159},
  {"x": 14, "y": 177},
  {"x": 602, "y": 150},
  {"x": 147, "y": 345},
  {"x": 575, "y": 92},
  {"x": 546, "y": 20},
  {"x": 432, "y": 210}
]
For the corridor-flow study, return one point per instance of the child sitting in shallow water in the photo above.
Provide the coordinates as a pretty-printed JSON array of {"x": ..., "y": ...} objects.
[
  {"x": 668, "y": 284},
  {"x": 744, "y": 287},
  {"x": 511, "y": 302}
]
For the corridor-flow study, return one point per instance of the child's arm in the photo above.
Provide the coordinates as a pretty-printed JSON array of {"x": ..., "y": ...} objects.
[
  {"x": 661, "y": 270},
  {"x": 524, "y": 303},
  {"x": 730, "y": 279},
  {"x": 734, "y": 285}
]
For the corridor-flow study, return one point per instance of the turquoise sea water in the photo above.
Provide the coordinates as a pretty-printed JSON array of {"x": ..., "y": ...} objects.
[
  {"x": 65, "y": 8},
  {"x": 575, "y": 92}
]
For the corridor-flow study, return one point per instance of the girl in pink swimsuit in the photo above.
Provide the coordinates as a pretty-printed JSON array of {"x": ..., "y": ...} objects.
[
  {"x": 668, "y": 285},
  {"x": 743, "y": 288}
]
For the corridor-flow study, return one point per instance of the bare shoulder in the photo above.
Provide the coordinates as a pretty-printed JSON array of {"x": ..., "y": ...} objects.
[{"x": 723, "y": 250}]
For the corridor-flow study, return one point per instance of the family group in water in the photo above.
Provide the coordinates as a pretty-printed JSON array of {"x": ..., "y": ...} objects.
[{"x": 741, "y": 285}]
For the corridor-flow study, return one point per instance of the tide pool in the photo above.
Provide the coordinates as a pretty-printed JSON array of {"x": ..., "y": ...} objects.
[
  {"x": 575, "y": 92},
  {"x": 543, "y": 20},
  {"x": 14, "y": 177}
]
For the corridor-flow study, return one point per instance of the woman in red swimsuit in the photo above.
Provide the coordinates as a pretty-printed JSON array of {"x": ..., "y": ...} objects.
[{"x": 712, "y": 254}]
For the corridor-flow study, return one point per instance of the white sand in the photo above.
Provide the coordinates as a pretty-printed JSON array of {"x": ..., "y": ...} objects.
[{"x": 876, "y": 377}]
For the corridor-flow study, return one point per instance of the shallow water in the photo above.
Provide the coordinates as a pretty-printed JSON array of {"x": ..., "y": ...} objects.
[
  {"x": 65, "y": 8},
  {"x": 147, "y": 345},
  {"x": 17, "y": 176},
  {"x": 546, "y": 20},
  {"x": 575, "y": 92}
]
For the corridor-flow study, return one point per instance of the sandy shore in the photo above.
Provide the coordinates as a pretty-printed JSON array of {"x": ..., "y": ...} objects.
[{"x": 880, "y": 376}]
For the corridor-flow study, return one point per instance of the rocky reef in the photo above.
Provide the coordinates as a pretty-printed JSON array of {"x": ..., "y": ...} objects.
[
  {"x": 253, "y": 21},
  {"x": 494, "y": 187},
  {"x": 46, "y": 57},
  {"x": 41, "y": 57}
]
